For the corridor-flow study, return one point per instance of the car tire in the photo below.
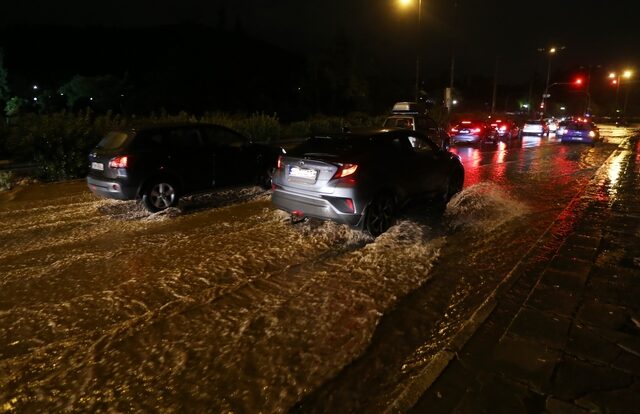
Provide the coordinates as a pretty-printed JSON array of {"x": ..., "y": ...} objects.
[
  {"x": 159, "y": 195},
  {"x": 380, "y": 215}
]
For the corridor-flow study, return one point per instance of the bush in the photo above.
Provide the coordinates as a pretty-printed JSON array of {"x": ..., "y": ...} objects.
[{"x": 6, "y": 180}]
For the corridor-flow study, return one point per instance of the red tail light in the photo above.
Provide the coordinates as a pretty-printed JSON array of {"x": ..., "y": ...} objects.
[
  {"x": 279, "y": 166},
  {"x": 454, "y": 129},
  {"x": 503, "y": 128},
  {"x": 476, "y": 130},
  {"x": 345, "y": 170},
  {"x": 119, "y": 162}
]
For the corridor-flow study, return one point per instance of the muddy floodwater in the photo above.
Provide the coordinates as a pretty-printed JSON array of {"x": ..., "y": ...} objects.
[{"x": 221, "y": 305}]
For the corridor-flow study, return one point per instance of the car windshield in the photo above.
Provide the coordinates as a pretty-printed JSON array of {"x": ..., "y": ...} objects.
[{"x": 113, "y": 140}]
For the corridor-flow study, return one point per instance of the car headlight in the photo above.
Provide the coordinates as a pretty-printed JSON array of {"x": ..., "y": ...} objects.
[{"x": 592, "y": 134}]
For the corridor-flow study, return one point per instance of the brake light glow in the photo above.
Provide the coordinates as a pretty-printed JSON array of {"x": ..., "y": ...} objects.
[
  {"x": 466, "y": 122},
  {"x": 476, "y": 130},
  {"x": 503, "y": 128},
  {"x": 119, "y": 162},
  {"x": 345, "y": 170},
  {"x": 454, "y": 129}
]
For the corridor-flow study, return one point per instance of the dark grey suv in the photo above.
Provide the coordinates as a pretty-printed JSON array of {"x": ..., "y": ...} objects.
[
  {"x": 364, "y": 178},
  {"x": 160, "y": 163}
]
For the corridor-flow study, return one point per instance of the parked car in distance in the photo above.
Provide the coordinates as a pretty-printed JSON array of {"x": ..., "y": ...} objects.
[
  {"x": 578, "y": 131},
  {"x": 160, "y": 163},
  {"x": 535, "y": 127},
  {"x": 552, "y": 124},
  {"x": 473, "y": 132},
  {"x": 506, "y": 129},
  {"x": 413, "y": 116},
  {"x": 363, "y": 178}
]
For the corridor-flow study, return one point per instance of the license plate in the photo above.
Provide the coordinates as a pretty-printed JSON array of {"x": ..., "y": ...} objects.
[
  {"x": 306, "y": 173},
  {"x": 97, "y": 166}
]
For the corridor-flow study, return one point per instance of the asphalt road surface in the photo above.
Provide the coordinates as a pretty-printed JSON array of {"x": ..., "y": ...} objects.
[{"x": 222, "y": 305}]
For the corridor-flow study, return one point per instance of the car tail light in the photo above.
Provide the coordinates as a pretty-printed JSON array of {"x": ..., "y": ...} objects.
[
  {"x": 454, "y": 129},
  {"x": 476, "y": 130},
  {"x": 503, "y": 128},
  {"x": 280, "y": 164},
  {"x": 592, "y": 134},
  {"x": 345, "y": 170},
  {"x": 119, "y": 162},
  {"x": 466, "y": 122}
]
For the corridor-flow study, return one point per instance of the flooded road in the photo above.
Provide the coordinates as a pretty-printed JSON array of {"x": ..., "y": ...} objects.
[{"x": 223, "y": 306}]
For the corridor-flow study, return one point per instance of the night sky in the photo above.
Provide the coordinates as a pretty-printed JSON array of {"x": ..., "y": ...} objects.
[{"x": 597, "y": 33}]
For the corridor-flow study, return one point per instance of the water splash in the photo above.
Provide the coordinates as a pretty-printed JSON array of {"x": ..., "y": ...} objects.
[{"x": 484, "y": 207}]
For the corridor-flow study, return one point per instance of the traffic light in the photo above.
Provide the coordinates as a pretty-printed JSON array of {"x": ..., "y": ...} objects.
[{"x": 578, "y": 81}]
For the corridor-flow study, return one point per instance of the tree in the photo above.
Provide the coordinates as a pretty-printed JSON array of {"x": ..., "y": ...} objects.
[
  {"x": 4, "y": 84},
  {"x": 103, "y": 92}
]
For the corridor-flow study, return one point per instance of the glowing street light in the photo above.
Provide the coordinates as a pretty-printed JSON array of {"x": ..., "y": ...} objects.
[{"x": 616, "y": 78}]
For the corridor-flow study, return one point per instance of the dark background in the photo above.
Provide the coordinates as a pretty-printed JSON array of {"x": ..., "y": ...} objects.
[{"x": 302, "y": 57}]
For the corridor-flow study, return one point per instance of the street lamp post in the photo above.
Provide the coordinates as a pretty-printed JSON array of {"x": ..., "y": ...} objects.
[
  {"x": 550, "y": 52},
  {"x": 616, "y": 79},
  {"x": 405, "y": 4}
]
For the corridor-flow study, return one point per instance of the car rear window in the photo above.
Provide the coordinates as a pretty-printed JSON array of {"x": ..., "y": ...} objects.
[
  {"x": 580, "y": 126},
  {"x": 113, "y": 140},
  {"x": 399, "y": 122},
  {"x": 350, "y": 146},
  {"x": 534, "y": 122}
]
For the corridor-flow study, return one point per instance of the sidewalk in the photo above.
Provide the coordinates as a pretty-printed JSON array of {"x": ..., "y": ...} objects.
[{"x": 565, "y": 336}]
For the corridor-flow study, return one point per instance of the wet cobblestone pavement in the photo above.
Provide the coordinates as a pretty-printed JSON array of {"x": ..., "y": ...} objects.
[{"x": 564, "y": 337}]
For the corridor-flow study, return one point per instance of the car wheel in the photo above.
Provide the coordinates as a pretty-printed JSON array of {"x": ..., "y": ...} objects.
[
  {"x": 380, "y": 215},
  {"x": 160, "y": 195}
]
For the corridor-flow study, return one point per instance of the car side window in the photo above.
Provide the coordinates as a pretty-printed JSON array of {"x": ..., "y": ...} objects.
[
  {"x": 185, "y": 139},
  {"x": 215, "y": 137},
  {"x": 149, "y": 141}
]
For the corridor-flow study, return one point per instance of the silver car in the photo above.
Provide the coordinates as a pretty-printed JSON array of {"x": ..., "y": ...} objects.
[{"x": 363, "y": 178}]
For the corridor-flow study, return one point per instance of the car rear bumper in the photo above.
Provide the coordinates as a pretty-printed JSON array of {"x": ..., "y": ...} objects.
[
  {"x": 532, "y": 132},
  {"x": 577, "y": 138},
  {"x": 310, "y": 206},
  {"x": 465, "y": 138},
  {"x": 111, "y": 189}
]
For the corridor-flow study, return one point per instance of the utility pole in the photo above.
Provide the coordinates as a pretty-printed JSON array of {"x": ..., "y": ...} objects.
[{"x": 495, "y": 86}]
